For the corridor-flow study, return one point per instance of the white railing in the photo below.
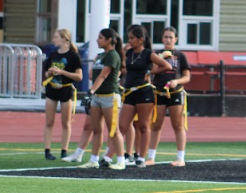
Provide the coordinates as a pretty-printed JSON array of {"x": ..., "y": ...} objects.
[{"x": 20, "y": 71}]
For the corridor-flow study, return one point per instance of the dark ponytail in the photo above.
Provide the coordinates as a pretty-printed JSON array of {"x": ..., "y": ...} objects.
[
  {"x": 120, "y": 50},
  {"x": 140, "y": 31},
  {"x": 116, "y": 41}
]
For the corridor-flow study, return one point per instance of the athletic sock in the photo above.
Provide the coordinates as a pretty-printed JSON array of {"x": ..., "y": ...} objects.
[
  {"x": 121, "y": 159},
  {"x": 94, "y": 158},
  {"x": 79, "y": 151},
  {"x": 152, "y": 154},
  {"x": 181, "y": 155},
  {"x": 141, "y": 159}
]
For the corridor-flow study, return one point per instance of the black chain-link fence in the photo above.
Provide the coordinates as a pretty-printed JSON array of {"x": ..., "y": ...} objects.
[{"x": 216, "y": 90}]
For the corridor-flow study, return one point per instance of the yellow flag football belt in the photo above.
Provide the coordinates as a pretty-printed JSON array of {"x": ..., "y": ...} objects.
[
  {"x": 128, "y": 91},
  {"x": 48, "y": 81},
  {"x": 132, "y": 89}
]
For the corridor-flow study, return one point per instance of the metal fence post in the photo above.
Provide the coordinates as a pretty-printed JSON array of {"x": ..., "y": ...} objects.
[{"x": 222, "y": 88}]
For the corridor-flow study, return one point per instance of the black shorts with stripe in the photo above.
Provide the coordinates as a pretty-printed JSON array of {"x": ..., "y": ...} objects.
[
  {"x": 176, "y": 99},
  {"x": 143, "y": 95}
]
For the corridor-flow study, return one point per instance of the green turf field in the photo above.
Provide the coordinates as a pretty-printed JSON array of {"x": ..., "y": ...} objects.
[{"x": 29, "y": 155}]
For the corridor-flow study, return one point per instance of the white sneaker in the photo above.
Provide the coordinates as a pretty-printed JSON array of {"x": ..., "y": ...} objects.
[
  {"x": 73, "y": 158},
  {"x": 89, "y": 165},
  {"x": 118, "y": 166}
]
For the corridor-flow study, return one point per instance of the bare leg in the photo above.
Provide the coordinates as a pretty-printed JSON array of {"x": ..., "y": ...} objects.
[
  {"x": 137, "y": 143},
  {"x": 50, "y": 112},
  {"x": 86, "y": 133},
  {"x": 130, "y": 138},
  {"x": 155, "y": 134},
  {"x": 66, "y": 113},
  {"x": 144, "y": 116},
  {"x": 156, "y": 127},
  {"x": 83, "y": 143},
  {"x": 117, "y": 139},
  {"x": 97, "y": 125},
  {"x": 176, "y": 115}
]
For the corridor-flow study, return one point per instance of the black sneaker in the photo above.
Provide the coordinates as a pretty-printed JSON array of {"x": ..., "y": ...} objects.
[
  {"x": 135, "y": 155},
  {"x": 104, "y": 163},
  {"x": 140, "y": 164},
  {"x": 129, "y": 159},
  {"x": 49, "y": 156},
  {"x": 63, "y": 155}
]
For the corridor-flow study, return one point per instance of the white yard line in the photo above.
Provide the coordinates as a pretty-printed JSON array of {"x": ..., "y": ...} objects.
[{"x": 143, "y": 180}]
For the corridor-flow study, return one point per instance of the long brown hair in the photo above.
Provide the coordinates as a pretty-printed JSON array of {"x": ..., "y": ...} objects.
[
  {"x": 116, "y": 41},
  {"x": 66, "y": 34}
]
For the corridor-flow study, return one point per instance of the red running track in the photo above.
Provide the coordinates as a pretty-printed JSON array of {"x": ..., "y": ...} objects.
[{"x": 28, "y": 127}]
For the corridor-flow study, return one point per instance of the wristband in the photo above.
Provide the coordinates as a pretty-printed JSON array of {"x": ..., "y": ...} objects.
[{"x": 148, "y": 72}]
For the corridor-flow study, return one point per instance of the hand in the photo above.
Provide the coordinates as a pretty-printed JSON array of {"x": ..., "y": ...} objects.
[
  {"x": 90, "y": 92},
  {"x": 86, "y": 102},
  {"x": 172, "y": 83},
  {"x": 56, "y": 71},
  {"x": 49, "y": 72}
]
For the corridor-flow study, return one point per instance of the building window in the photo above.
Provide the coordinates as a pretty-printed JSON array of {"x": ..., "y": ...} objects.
[
  {"x": 115, "y": 6},
  {"x": 116, "y": 15},
  {"x": 46, "y": 20},
  {"x": 127, "y": 18},
  {"x": 157, "y": 7},
  {"x": 81, "y": 17},
  {"x": 155, "y": 29},
  {"x": 198, "y": 22},
  {"x": 114, "y": 24},
  {"x": 205, "y": 34},
  {"x": 153, "y": 15},
  {"x": 198, "y": 8}
]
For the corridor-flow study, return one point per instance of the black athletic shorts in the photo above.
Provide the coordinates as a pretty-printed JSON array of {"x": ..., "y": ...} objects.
[
  {"x": 176, "y": 99},
  {"x": 142, "y": 95},
  {"x": 62, "y": 94}
]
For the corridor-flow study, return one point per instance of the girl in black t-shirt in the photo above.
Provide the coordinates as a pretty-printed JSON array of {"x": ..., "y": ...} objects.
[
  {"x": 175, "y": 80},
  {"x": 63, "y": 67},
  {"x": 139, "y": 97}
]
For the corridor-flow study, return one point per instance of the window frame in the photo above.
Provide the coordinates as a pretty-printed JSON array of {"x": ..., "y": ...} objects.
[
  {"x": 184, "y": 20},
  {"x": 46, "y": 15},
  {"x": 149, "y": 18}
]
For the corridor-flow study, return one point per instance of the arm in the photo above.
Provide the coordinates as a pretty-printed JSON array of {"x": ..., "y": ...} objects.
[
  {"x": 100, "y": 79},
  {"x": 159, "y": 62},
  {"x": 90, "y": 74},
  {"x": 183, "y": 80},
  {"x": 76, "y": 76}
]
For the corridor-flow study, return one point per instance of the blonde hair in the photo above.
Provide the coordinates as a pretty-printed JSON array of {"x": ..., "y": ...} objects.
[{"x": 66, "y": 34}]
